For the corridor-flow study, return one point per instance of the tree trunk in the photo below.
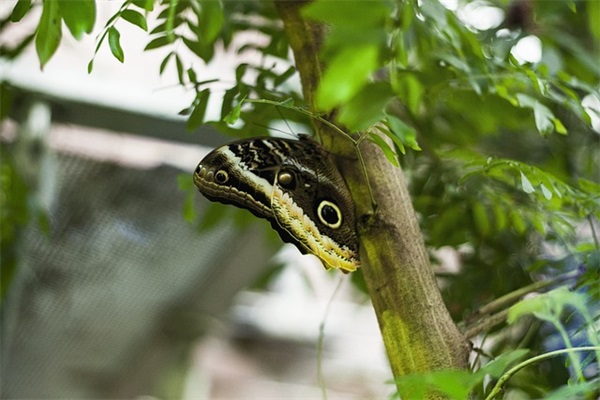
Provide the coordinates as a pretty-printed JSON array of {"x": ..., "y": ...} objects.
[{"x": 417, "y": 329}]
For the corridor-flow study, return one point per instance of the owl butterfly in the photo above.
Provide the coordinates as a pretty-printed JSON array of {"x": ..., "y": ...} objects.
[{"x": 293, "y": 184}]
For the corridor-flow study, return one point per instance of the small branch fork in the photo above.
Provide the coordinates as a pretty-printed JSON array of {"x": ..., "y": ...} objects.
[{"x": 488, "y": 316}]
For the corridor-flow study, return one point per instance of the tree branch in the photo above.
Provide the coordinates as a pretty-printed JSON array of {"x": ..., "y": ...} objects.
[{"x": 417, "y": 329}]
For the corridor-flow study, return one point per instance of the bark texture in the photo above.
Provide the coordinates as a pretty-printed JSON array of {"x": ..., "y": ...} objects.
[{"x": 417, "y": 329}]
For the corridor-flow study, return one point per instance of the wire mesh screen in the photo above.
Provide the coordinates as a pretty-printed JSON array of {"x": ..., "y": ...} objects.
[{"x": 95, "y": 308}]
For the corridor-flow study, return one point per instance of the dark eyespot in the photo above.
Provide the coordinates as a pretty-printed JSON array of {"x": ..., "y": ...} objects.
[
  {"x": 329, "y": 214},
  {"x": 286, "y": 179},
  {"x": 221, "y": 176}
]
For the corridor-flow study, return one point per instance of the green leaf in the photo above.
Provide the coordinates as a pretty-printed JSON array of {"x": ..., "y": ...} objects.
[
  {"x": 517, "y": 222},
  {"x": 234, "y": 114},
  {"x": 482, "y": 221},
  {"x": 211, "y": 20},
  {"x": 455, "y": 384},
  {"x": 189, "y": 212},
  {"x": 579, "y": 390},
  {"x": 548, "y": 306},
  {"x": 164, "y": 63},
  {"x": 79, "y": 16},
  {"x": 363, "y": 14},
  {"x": 21, "y": 8},
  {"x": 179, "y": 66},
  {"x": 158, "y": 42},
  {"x": 49, "y": 31},
  {"x": 558, "y": 125},
  {"x": 147, "y": 5},
  {"x": 526, "y": 184},
  {"x": 544, "y": 119},
  {"x": 593, "y": 13},
  {"x": 346, "y": 74},
  {"x": 501, "y": 363},
  {"x": 410, "y": 91},
  {"x": 285, "y": 76},
  {"x": 367, "y": 107},
  {"x": 546, "y": 192},
  {"x": 197, "y": 116},
  {"x": 200, "y": 48},
  {"x": 390, "y": 154},
  {"x": 135, "y": 18},
  {"x": 114, "y": 42}
]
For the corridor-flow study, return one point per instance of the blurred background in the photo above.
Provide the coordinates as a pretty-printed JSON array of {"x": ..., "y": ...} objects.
[{"x": 107, "y": 290}]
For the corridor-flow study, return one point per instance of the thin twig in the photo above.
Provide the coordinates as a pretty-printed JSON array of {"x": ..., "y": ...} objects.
[{"x": 508, "y": 374}]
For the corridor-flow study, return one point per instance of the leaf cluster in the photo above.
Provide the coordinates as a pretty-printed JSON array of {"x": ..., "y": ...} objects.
[{"x": 500, "y": 153}]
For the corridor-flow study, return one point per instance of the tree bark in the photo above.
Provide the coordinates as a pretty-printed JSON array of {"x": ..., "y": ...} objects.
[{"x": 417, "y": 329}]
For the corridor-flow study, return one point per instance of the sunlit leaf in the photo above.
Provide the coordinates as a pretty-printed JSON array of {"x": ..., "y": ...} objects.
[{"x": 345, "y": 75}]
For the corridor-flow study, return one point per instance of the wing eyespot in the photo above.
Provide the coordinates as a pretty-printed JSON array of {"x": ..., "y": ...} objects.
[
  {"x": 286, "y": 180},
  {"x": 329, "y": 214},
  {"x": 221, "y": 176}
]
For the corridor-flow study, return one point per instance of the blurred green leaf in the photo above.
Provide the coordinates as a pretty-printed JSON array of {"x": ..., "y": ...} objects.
[
  {"x": 234, "y": 114},
  {"x": 593, "y": 13},
  {"x": 345, "y": 75},
  {"x": 526, "y": 184},
  {"x": 20, "y": 9},
  {"x": 147, "y": 5},
  {"x": 211, "y": 20},
  {"x": 196, "y": 118},
  {"x": 366, "y": 108},
  {"x": 405, "y": 133}
]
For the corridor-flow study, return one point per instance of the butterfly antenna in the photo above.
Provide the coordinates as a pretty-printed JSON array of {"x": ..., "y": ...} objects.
[
  {"x": 269, "y": 128},
  {"x": 285, "y": 120}
]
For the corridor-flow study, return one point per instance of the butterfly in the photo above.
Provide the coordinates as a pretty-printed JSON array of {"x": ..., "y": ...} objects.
[{"x": 295, "y": 185}]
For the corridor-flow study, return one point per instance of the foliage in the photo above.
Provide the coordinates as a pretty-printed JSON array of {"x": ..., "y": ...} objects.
[{"x": 500, "y": 152}]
